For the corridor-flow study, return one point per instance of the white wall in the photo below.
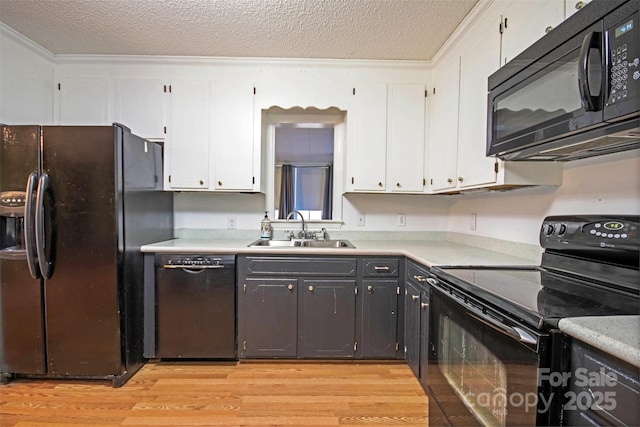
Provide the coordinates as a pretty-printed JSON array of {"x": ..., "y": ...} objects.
[
  {"x": 26, "y": 79},
  {"x": 601, "y": 185}
]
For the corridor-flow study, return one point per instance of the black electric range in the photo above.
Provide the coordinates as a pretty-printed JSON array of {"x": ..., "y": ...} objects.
[{"x": 589, "y": 268}]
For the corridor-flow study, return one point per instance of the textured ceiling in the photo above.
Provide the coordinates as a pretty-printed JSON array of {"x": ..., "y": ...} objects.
[{"x": 340, "y": 29}]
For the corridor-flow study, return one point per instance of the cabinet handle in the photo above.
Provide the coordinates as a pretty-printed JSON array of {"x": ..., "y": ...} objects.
[
  {"x": 460, "y": 179},
  {"x": 370, "y": 288},
  {"x": 415, "y": 297},
  {"x": 579, "y": 5},
  {"x": 420, "y": 278},
  {"x": 548, "y": 29},
  {"x": 424, "y": 305},
  {"x": 290, "y": 287},
  {"x": 310, "y": 288},
  {"x": 381, "y": 267}
]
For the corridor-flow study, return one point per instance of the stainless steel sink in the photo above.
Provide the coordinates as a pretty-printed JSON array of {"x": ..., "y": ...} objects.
[{"x": 301, "y": 243}]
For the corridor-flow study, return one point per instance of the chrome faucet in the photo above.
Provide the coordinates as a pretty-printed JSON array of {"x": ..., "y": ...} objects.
[{"x": 303, "y": 233}]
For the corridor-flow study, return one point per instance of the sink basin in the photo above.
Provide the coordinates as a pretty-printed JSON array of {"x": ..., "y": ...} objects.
[{"x": 301, "y": 243}]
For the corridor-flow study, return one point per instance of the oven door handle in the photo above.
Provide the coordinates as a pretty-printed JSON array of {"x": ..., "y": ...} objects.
[{"x": 513, "y": 331}]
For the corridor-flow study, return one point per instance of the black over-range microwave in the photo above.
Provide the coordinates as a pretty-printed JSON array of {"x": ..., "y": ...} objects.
[{"x": 574, "y": 93}]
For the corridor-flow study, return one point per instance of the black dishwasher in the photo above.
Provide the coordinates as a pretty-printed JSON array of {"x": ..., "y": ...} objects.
[{"x": 195, "y": 306}]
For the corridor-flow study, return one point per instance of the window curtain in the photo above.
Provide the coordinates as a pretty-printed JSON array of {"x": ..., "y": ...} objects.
[
  {"x": 286, "y": 192},
  {"x": 327, "y": 202}
]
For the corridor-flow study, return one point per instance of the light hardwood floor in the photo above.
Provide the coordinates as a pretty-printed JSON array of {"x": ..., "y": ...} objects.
[{"x": 244, "y": 394}]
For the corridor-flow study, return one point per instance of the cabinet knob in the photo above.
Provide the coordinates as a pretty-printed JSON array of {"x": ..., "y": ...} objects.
[
  {"x": 219, "y": 183},
  {"x": 449, "y": 180},
  {"x": 415, "y": 297},
  {"x": 379, "y": 184},
  {"x": 310, "y": 288},
  {"x": 398, "y": 185},
  {"x": 201, "y": 182},
  {"x": 424, "y": 305},
  {"x": 290, "y": 287},
  {"x": 460, "y": 179},
  {"x": 579, "y": 5},
  {"x": 548, "y": 29},
  {"x": 370, "y": 288}
]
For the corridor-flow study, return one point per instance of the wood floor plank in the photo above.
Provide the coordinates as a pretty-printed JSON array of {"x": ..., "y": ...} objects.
[{"x": 254, "y": 393}]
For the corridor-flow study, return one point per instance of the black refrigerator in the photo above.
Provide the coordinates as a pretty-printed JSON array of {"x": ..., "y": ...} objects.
[{"x": 76, "y": 204}]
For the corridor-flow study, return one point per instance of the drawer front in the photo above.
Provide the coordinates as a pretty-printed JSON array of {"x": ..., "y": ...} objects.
[
  {"x": 302, "y": 266},
  {"x": 416, "y": 273},
  {"x": 380, "y": 267}
]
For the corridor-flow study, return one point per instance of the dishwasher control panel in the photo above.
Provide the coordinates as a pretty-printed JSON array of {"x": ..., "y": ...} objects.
[{"x": 195, "y": 260}]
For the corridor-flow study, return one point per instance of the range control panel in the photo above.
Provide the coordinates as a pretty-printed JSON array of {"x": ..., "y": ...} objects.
[
  {"x": 590, "y": 231},
  {"x": 195, "y": 261}
]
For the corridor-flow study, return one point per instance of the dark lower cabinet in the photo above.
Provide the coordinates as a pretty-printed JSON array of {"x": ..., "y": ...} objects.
[
  {"x": 327, "y": 318},
  {"x": 417, "y": 296},
  {"x": 602, "y": 391},
  {"x": 268, "y": 325},
  {"x": 379, "y": 319}
]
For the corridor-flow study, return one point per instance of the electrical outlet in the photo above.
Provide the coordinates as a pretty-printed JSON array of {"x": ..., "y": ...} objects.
[
  {"x": 474, "y": 222},
  {"x": 402, "y": 220},
  {"x": 361, "y": 220},
  {"x": 231, "y": 223}
]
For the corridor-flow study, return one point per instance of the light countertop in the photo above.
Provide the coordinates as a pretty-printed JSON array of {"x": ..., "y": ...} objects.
[
  {"x": 616, "y": 335},
  {"x": 426, "y": 252}
]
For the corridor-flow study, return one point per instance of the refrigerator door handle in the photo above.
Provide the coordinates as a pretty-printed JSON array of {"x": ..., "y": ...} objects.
[
  {"x": 29, "y": 226},
  {"x": 44, "y": 184}
]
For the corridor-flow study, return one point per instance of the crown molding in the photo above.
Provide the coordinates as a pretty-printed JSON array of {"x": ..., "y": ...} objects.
[{"x": 6, "y": 31}]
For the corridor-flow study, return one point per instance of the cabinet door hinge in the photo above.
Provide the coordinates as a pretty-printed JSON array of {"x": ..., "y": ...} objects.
[
  {"x": 353, "y": 180},
  {"x": 167, "y": 88},
  {"x": 397, "y": 347},
  {"x": 244, "y": 345},
  {"x": 495, "y": 167},
  {"x": 59, "y": 86},
  {"x": 254, "y": 90},
  {"x": 165, "y": 130},
  {"x": 434, "y": 90},
  {"x": 354, "y": 91},
  {"x": 355, "y": 290},
  {"x": 398, "y": 290},
  {"x": 424, "y": 182},
  {"x": 169, "y": 178},
  {"x": 426, "y": 93},
  {"x": 244, "y": 288},
  {"x": 355, "y": 346},
  {"x": 431, "y": 181}
]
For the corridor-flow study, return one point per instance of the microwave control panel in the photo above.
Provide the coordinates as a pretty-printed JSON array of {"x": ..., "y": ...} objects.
[{"x": 624, "y": 60}]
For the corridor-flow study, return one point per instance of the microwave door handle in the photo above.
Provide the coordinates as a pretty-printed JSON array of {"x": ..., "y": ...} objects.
[
  {"x": 590, "y": 103},
  {"x": 29, "y": 226}
]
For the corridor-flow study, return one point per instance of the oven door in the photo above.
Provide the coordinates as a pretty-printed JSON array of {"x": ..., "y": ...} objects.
[{"x": 483, "y": 368}]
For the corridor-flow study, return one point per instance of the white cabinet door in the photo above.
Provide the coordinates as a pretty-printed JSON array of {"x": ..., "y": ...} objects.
[
  {"x": 84, "y": 101},
  {"x": 232, "y": 141},
  {"x": 526, "y": 21},
  {"x": 406, "y": 140},
  {"x": 444, "y": 123},
  {"x": 189, "y": 135},
  {"x": 140, "y": 105},
  {"x": 479, "y": 59},
  {"x": 367, "y": 162}
]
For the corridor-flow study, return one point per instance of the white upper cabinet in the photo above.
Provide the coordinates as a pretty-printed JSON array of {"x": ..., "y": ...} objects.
[
  {"x": 367, "y": 158},
  {"x": 479, "y": 58},
  {"x": 84, "y": 101},
  {"x": 187, "y": 146},
  {"x": 572, "y": 6},
  {"x": 233, "y": 149},
  {"x": 140, "y": 105},
  {"x": 406, "y": 140},
  {"x": 387, "y": 138},
  {"x": 526, "y": 21},
  {"x": 443, "y": 149}
]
